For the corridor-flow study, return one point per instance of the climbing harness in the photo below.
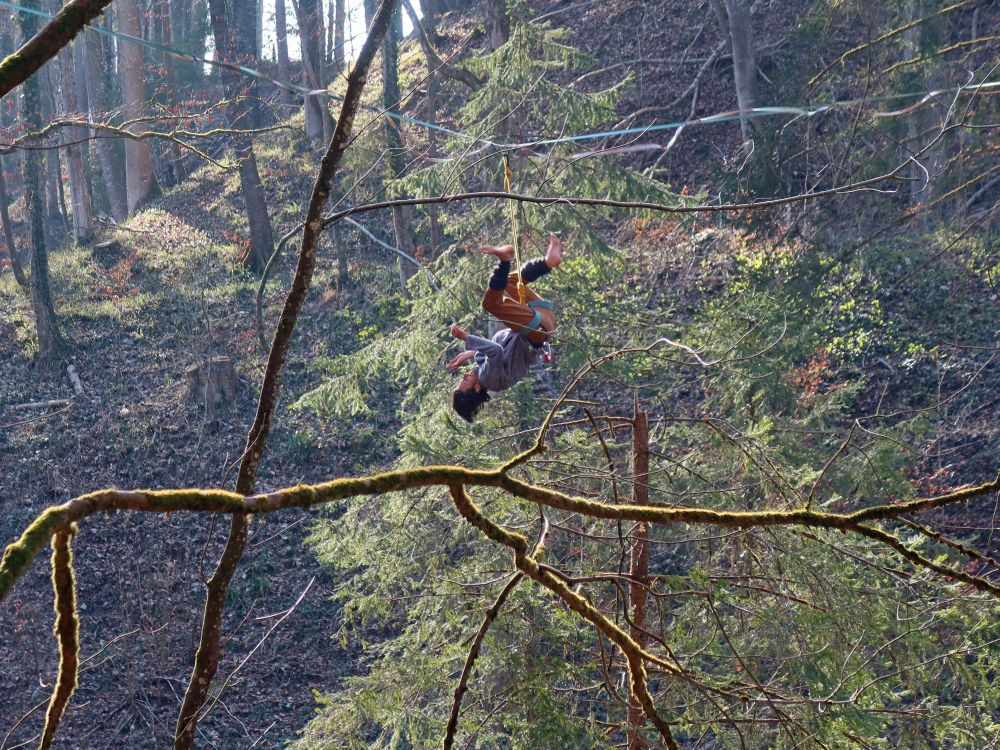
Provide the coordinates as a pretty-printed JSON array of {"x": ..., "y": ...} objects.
[{"x": 535, "y": 325}]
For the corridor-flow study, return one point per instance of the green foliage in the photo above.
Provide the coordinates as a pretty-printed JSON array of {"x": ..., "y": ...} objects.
[
  {"x": 772, "y": 414},
  {"x": 520, "y": 94}
]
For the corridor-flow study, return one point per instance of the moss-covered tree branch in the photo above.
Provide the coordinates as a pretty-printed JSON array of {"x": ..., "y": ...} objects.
[
  {"x": 67, "y": 632},
  {"x": 636, "y": 655},
  {"x": 19, "y": 554},
  {"x": 45, "y": 45}
]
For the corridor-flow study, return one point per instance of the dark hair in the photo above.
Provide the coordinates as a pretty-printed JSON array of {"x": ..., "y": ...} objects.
[{"x": 468, "y": 403}]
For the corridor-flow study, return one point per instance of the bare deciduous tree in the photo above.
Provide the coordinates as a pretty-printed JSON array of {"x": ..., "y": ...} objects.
[
  {"x": 242, "y": 94},
  {"x": 108, "y": 150},
  {"x": 736, "y": 23},
  {"x": 140, "y": 183}
]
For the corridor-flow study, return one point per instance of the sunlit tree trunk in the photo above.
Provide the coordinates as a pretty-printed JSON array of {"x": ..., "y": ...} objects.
[
  {"x": 402, "y": 221},
  {"x": 57, "y": 224},
  {"x": 737, "y": 28},
  {"x": 108, "y": 151},
  {"x": 242, "y": 115},
  {"x": 310, "y": 16},
  {"x": 50, "y": 341},
  {"x": 921, "y": 186},
  {"x": 140, "y": 184},
  {"x": 433, "y": 85},
  {"x": 259, "y": 30},
  {"x": 281, "y": 41},
  {"x": 331, "y": 18},
  {"x": 83, "y": 225},
  {"x": 339, "y": 22},
  {"x": 80, "y": 81},
  {"x": 167, "y": 37},
  {"x": 430, "y": 11},
  {"x": 497, "y": 23}
]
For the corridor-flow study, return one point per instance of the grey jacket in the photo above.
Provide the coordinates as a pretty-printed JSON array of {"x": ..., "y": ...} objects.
[{"x": 502, "y": 361}]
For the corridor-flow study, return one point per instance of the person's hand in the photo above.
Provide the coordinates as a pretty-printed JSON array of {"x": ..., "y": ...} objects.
[
  {"x": 458, "y": 361},
  {"x": 458, "y": 333}
]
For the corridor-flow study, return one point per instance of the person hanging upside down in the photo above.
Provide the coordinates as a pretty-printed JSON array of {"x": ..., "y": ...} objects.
[{"x": 505, "y": 359}]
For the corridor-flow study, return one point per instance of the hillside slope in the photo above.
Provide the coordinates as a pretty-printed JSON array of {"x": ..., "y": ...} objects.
[{"x": 174, "y": 293}]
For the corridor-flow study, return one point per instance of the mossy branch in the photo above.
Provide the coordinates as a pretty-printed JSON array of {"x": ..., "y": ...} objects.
[
  {"x": 58, "y": 524},
  {"x": 45, "y": 45},
  {"x": 636, "y": 655},
  {"x": 19, "y": 554},
  {"x": 67, "y": 632}
]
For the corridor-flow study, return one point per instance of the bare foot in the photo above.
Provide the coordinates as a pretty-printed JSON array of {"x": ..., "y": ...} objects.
[
  {"x": 503, "y": 252},
  {"x": 553, "y": 256}
]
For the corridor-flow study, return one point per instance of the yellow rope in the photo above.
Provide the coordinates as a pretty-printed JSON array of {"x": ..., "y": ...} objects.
[{"x": 507, "y": 174}]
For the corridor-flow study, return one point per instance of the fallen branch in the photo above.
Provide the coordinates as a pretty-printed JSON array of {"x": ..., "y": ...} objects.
[{"x": 40, "y": 404}]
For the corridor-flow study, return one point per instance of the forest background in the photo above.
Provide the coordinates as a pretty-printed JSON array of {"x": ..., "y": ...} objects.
[{"x": 750, "y": 503}]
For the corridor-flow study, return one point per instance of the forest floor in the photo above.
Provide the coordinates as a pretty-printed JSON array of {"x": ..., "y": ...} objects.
[{"x": 175, "y": 294}]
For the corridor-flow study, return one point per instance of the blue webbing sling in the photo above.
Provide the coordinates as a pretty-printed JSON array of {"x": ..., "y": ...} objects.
[{"x": 535, "y": 325}]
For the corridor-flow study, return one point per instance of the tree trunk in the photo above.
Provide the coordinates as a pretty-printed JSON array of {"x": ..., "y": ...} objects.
[
  {"x": 281, "y": 38},
  {"x": 58, "y": 224},
  {"x": 50, "y": 341},
  {"x": 331, "y": 22},
  {"x": 207, "y": 658},
  {"x": 259, "y": 31},
  {"x": 57, "y": 219},
  {"x": 737, "y": 27},
  {"x": 920, "y": 186},
  {"x": 80, "y": 80},
  {"x": 497, "y": 23},
  {"x": 242, "y": 91},
  {"x": 430, "y": 12},
  {"x": 176, "y": 157},
  {"x": 434, "y": 63},
  {"x": 108, "y": 150},
  {"x": 181, "y": 12},
  {"x": 140, "y": 184},
  {"x": 339, "y": 22},
  {"x": 83, "y": 224},
  {"x": 401, "y": 215},
  {"x": 8, "y": 235},
  {"x": 639, "y": 561},
  {"x": 437, "y": 236},
  {"x": 310, "y": 17}
]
